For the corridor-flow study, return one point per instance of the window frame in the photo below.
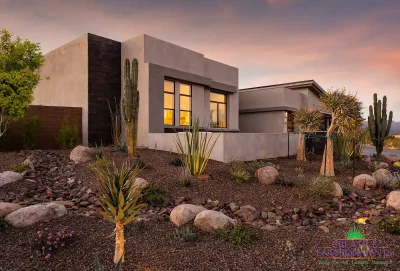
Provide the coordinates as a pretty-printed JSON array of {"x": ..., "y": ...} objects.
[
  {"x": 169, "y": 109},
  {"x": 218, "y": 110},
  {"x": 191, "y": 103}
]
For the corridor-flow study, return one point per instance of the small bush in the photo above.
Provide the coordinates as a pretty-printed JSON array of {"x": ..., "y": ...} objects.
[
  {"x": 153, "y": 195},
  {"x": 138, "y": 162},
  {"x": 96, "y": 154},
  {"x": 322, "y": 186},
  {"x": 18, "y": 168},
  {"x": 285, "y": 180},
  {"x": 346, "y": 190},
  {"x": 237, "y": 234},
  {"x": 177, "y": 162},
  {"x": 186, "y": 234},
  {"x": 31, "y": 133},
  {"x": 389, "y": 224},
  {"x": 68, "y": 136},
  {"x": 240, "y": 175},
  {"x": 184, "y": 177},
  {"x": 48, "y": 243},
  {"x": 4, "y": 225}
]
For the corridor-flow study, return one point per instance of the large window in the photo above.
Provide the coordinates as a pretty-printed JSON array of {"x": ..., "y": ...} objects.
[
  {"x": 169, "y": 102},
  {"x": 289, "y": 121},
  {"x": 218, "y": 110},
  {"x": 185, "y": 105}
]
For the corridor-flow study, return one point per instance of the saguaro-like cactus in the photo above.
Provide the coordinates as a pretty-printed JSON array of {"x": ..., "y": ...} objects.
[
  {"x": 378, "y": 123},
  {"x": 130, "y": 104}
]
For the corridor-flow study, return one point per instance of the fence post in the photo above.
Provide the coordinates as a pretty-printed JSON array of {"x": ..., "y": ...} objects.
[{"x": 288, "y": 144}]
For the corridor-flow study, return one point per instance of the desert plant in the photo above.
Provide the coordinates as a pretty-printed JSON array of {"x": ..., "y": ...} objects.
[
  {"x": 285, "y": 180},
  {"x": 48, "y": 242},
  {"x": 321, "y": 187},
  {"x": 115, "y": 124},
  {"x": 4, "y": 225},
  {"x": 240, "y": 175},
  {"x": 184, "y": 177},
  {"x": 346, "y": 190},
  {"x": 186, "y": 234},
  {"x": 18, "y": 168},
  {"x": 153, "y": 195},
  {"x": 130, "y": 104},
  {"x": 119, "y": 199},
  {"x": 306, "y": 120},
  {"x": 138, "y": 162},
  {"x": 237, "y": 234},
  {"x": 31, "y": 133},
  {"x": 20, "y": 62},
  {"x": 257, "y": 164},
  {"x": 389, "y": 224},
  {"x": 177, "y": 162},
  {"x": 196, "y": 148},
  {"x": 378, "y": 123},
  {"x": 346, "y": 115},
  {"x": 96, "y": 154},
  {"x": 68, "y": 136}
]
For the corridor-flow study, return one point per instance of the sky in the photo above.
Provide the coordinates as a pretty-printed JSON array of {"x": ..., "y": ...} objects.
[{"x": 338, "y": 43}]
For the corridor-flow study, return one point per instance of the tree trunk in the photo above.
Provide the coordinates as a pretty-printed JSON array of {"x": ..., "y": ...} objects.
[
  {"x": 301, "y": 148},
  {"x": 119, "y": 243},
  {"x": 129, "y": 138},
  {"x": 327, "y": 167}
]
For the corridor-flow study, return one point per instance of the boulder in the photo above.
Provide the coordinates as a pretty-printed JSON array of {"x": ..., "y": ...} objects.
[
  {"x": 10, "y": 177},
  {"x": 247, "y": 213},
  {"x": 389, "y": 159},
  {"x": 267, "y": 175},
  {"x": 364, "y": 181},
  {"x": 142, "y": 183},
  {"x": 210, "y": 221},
  {"x": 81, "y": 154},
  {"x": 185, "y": 213},
  {"x": 7, "y": 208},
  {"x": 33, "y": 214},
  {"x": 380, "y": 165},
  {"x": 337, "y": 190},
  {"x": 393, "y": 200},
  {"x": 383, "y": 176}
]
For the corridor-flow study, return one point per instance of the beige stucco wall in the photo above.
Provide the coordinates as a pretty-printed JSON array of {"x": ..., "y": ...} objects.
[
  {"x": 236, "y": 146},
  {"x": 262, "y": 122},
  {"x": 67, "y": 67}
]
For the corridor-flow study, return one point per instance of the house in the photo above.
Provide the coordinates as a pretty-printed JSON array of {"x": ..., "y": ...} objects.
[
  {"x": 269, "y": 109},
  {"x": 176, "y": 85}
]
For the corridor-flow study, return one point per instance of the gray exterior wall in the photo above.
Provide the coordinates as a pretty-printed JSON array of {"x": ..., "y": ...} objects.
[
  {"x": 263, "y": 122},
  {"x": 67, "y": 67}
]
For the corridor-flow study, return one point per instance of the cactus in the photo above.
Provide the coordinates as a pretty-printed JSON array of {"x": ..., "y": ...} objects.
[
  {"x": 130, "y": 104},
  {"x": 378, "y": 123}
]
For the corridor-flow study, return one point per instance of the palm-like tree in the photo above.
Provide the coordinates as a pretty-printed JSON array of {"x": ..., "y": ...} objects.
[
  {"x": 118, "y": 199},
  {"x": 346, "y": 115},
  {"x": 306, "y": 120}
]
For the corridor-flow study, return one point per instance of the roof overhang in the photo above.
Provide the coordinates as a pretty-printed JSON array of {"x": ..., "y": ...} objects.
[{"x": 310, "y": 84}]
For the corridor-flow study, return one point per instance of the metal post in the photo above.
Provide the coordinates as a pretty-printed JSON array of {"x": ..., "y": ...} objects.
[{"x": 288, "y": 144}]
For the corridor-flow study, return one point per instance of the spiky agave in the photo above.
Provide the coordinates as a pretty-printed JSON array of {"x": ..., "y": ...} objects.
[{"x": 119, "y": 199}]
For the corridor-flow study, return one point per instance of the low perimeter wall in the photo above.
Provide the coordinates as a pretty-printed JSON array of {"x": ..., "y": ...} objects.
[{"x": 236, "y": 146}]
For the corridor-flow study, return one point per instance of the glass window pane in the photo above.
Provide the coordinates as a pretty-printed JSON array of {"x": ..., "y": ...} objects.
[
  {"x": 184, "y": 118},
  {"x": 169, "y": 101},
  {"x": 216, "y": 97},
  {"x": 169, "y": 86},
  {"x": 185, "y": 103},
  {"x": 168, "y": 117},
  {"x": 214, "y": 114},
  {"x": 222, "y": 115},
  {"x": 185, "y": 89}
]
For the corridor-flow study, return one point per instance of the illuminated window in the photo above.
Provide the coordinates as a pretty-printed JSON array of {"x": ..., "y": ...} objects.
[
  {"x": 169, "y": 102},
  {"x": 289, "y": 121},
  {"x": 185, "y": 105},
  {"x": 218, "y": 110}
]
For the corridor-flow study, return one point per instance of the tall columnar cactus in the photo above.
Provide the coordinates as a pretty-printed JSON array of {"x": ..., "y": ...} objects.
[
  {"x": 378, "y": 123},
  {"x": 130, "y": 104}
]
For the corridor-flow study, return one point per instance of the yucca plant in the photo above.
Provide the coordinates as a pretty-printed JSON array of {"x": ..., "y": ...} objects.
[
  {"x": 119, "y": 199},
  {"x": 196, "y": 148}
]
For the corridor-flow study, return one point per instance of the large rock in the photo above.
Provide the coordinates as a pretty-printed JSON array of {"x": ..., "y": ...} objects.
[
  {"x": 7, "y": 208},
  {"x": 142, "y": 183},
  {"x": 267, "y": 175},
  {"x": 10, "y": 177},
  {"x": 247, "y": 213},
  {"x": 337, "y": 190},
  {"x": 380, "y": 165},
  {"x": 81, "y": 154},
  {"x": 393, "y": 200},
  {"x": 364, "y": 181},
  {"x": 33, "y": 214},
  {"x": 185, "y": 213},
  {"x": 383, "y": 176},
  {"x": 390, "y": 159},
  {"x": 210, "y": 221}
]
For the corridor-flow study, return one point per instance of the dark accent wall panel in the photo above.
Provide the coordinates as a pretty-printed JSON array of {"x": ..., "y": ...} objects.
[{"x": 104, "y": 85}]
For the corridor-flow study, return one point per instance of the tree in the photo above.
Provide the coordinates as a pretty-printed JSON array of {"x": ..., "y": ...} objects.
[
  {"x": 119, "y": 199},
  {"x": 306, "y": 120},
  {"x": 20, "y": 62},
  {"x": 346, "y": 115}
]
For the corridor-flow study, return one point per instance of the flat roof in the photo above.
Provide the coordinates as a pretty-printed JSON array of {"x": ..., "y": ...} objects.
[{"x": 314, "y": 86}]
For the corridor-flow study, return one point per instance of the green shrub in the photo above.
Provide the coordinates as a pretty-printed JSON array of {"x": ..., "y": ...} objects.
[
  {"x": 4, "y": 225},
  {"x": 186, "y": 234},
  {"x": 285, "y": 180},
  {"x": 153, "y": 195},
  {"x": 346, "y": 190},
  {"x": 31, "y": 133},
  {"x": 138, "y": 162},
  {"x": 240, "y": 175},
  {"x": 18, "y": 168},
  {"x": 321, "y": 186},
  {"x": 237, "y": 234},
  {"x": 96, "y": 154},
  {"x": 177, "y": 162},
  {"x": 68, "y": 136},
  {"x": 389, "y": 224}
]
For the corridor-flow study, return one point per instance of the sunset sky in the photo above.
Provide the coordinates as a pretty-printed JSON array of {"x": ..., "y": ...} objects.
[{"x": 346, "y": 43}]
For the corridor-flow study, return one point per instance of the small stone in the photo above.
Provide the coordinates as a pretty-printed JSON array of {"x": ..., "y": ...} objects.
[
  {"x": 84, "y": 203},
  {"x": 269, "y": 227},
  {"x": 305, "y": 222},
  {"x": 233, "y": 207},
  {"x": 341, "y": 220},
  {"x": 295, "y": 217},
  {"x": 264, "y": 215},
  {"x": 323, "y": 228}
]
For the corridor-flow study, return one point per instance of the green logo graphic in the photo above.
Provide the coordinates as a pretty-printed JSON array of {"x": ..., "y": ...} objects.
[{"x": 354, "y": 234}]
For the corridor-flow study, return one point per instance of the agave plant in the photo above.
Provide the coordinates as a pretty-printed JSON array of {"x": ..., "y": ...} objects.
[
  {"x": 196, "y": 148},
  {"x": 119, "y": 199}
]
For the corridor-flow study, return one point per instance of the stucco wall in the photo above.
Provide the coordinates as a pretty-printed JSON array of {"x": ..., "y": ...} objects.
[
  {"x": 246, "y": 146},
  {"x": 67, "y": 67},
  {"x": 262, "y": 122},
  {"x": 221, "y": 73}
]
